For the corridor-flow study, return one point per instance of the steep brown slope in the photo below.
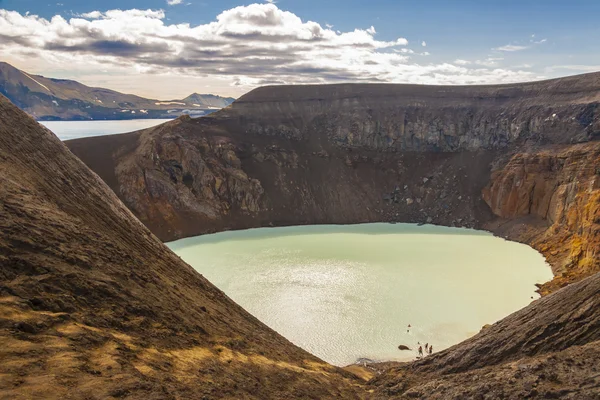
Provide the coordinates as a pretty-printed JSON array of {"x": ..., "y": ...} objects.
[
  {"x": 92, "y": 305},
  {"x": 358, "y": 153}
]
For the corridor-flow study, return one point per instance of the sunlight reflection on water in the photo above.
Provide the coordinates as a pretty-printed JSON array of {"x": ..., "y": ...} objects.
[{"x": 348, "y": 292}]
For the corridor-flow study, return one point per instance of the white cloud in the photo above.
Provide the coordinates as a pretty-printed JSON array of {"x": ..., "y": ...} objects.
[
  {"x": 174, "y": 2},
  {"x": 92, "y": 15},
  {"x": 458, "y": 61},
  {"x": 424, "y": 43},
  {"x": 247, "y": 45},
  {"x": 511, "y": 47},
  {"x": 516, "y": 47},
  {"x": 489, "y": 62}
]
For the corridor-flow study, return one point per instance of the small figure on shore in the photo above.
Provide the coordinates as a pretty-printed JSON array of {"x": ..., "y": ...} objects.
[
  {"x": 420, "y": 351},
  {"x": 430, "y": 350},
  {"x": 408, "y": 330},
  {"x": 426, "y": 347}
]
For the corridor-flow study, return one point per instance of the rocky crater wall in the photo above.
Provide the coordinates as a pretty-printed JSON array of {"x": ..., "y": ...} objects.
[
  {"x": 558, "y": 186},
  {"x": 519, "y": 160},
  {"x": 425, "y": 118}
]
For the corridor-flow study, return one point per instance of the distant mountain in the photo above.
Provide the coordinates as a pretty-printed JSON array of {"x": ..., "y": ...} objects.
[
  {"x": 209, "y": 100},
  {"x": 61, "y": 99}
]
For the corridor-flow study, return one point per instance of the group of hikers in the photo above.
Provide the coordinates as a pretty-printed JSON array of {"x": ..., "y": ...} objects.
[{"x": 428, "y": 349}]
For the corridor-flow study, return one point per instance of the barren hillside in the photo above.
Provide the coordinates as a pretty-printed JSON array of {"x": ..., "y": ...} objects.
[{"x": 93, "y": 305}]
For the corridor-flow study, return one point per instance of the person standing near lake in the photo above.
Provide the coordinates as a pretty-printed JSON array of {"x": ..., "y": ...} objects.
[
  {"x": 430, "y": 349},
  {"x": 421, "y": 351}
]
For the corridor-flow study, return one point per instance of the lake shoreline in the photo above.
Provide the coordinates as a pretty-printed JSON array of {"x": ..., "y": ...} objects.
[{"x": 348, "y": 278}]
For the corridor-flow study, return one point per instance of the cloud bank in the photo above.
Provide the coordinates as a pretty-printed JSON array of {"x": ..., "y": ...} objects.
[{"x": 248, "y": 46}]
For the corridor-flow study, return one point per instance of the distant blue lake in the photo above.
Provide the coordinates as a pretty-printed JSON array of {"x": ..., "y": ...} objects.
[{"x": 66, "y": 130}]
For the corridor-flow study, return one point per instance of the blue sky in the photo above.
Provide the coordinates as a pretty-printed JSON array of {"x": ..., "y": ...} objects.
[{"x": 378, "y": 40}]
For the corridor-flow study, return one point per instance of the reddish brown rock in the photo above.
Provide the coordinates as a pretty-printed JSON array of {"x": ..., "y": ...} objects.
[{"x": 550, "y": 198}]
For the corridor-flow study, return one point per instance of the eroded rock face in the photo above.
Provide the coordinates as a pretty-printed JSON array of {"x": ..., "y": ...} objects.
[
  {"x": 168, "y": 178},
  {"x": 181, "y": 180},
  {"x": 560, "y": 186},
  {"x": 426, "y": 118}
]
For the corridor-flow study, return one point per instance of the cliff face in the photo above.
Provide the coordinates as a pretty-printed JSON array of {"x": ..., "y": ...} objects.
[
  {"x": 360, "y": 153},
  {"x": 187, "y": 177},
  {"x": 559, "y": 185},
  {"x": 426, "y": 118},
  {"x": 92, "y": 305}
]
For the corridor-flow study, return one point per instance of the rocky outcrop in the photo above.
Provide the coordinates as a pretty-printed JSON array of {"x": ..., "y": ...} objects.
[
  {"x": 365, "y": 153},
  {"x": 555, "y": 191},
  {"x": 172, "y": 181},
  {"x": 92, "y": 305}
]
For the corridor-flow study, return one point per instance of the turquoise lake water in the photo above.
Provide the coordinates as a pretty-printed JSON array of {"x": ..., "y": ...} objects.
[{"x": 350, "y": 292}]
